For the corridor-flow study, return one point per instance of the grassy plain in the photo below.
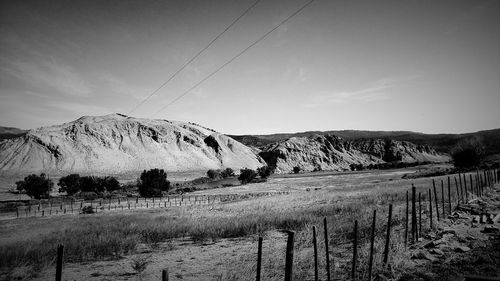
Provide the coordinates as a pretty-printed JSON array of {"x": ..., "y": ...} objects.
[{"x": 201, "y": 236}]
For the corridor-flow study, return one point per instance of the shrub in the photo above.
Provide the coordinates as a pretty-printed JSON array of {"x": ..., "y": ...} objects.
[
  {"x": 296, "y": 169},
  {"x": 468, "y": 154},
  {"x": 264, "y": 171},
  {"x": 109, "y": 183},
  {"x": 247, "y": 175},
  {"x": 37, "y": 187},
  {"x": 214, "y": 174},
  {"x": 70, "y": 184},
  {"x": 228, "y": 172},
  {"x": 153, "y": 182}
]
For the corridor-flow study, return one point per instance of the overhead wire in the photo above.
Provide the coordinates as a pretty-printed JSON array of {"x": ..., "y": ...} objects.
[
  {"x": 234, "y": 58},
  {"x": 194, "y": 57}
]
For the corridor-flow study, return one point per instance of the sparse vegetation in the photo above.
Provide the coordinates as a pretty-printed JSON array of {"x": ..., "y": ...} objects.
[
  {"x": 228, "y": 172},
  {"x": 73, "y": 184},
  {"x": 214, "y": 174},
  {"x": 247, "y": 176},
  {"x": 264, "y": 171},
  {"x": 37, "y": 187},
  {"x": 153, "y": 182}
]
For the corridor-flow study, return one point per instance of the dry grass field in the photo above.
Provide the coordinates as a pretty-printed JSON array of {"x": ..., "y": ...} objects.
[{"x": 219, "y": 242}]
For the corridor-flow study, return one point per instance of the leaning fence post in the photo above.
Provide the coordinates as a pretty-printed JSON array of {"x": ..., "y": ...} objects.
[
  {"x": 436, "y": 200},
  {"x": 60, "y": 251},
  {"x": 315, "y": 245},
  {"x": 259, "y": 259},
  {"x": 372, "y": 242},
  {"x": 289, "y": 256},
  {"x": 325, "y": 226},
  {"x": 355, "y": 251},
  {"x": 164, "y": 275},
  {"x": 388, "y": 236}
]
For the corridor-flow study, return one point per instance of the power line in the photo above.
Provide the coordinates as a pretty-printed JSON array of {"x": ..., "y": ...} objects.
[
  {"x": 195, "y": 57},
  {"x": 235, "y": 57}
]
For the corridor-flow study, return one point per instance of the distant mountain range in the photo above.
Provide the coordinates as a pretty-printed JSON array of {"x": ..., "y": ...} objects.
[
  {"x": 10, "y": 133},
  {"x": 441, "y": 142},
  {"x": 118, "y": 144}
]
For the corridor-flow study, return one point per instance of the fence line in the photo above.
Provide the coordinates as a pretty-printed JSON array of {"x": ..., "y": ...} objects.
[{"x": 482, "y": 186}]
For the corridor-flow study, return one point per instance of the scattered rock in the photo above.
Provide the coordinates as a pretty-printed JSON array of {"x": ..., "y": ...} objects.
[
  {"x": 437, "y": 252},
  {"x": 490, "y": 229},
  {"x": 447, "y": 230},
  {"x": 422, "y": 255},
  {"x": 462, "y": 249}
]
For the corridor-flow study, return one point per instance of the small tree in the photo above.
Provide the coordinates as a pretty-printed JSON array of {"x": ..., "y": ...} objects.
[
  {"x": 247, "y": 175},
  {"x": 70, "y": 184},
  {"x": 228, "y": 172},
  {"x": 296, "y": 169},
  {"x": 153, "y": 182},
  {"x": 37, "y": 187},
  {"x": 214, "y": 174},
  {"x": 109, "y": 183},
  {"x": 264, "y": 171},
  {"x": 468, "y": 154}
]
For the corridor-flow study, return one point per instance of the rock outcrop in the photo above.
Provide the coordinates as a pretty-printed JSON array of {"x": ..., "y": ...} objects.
[
  {"x": 329, "y": 152},
  {"x": 115, "y": 144}
]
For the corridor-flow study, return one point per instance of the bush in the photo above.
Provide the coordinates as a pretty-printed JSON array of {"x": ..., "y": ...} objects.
[
  {"x": 264, "y": 171},
  {"x": 228, "y": 172},
  {"x": 296, "y": 169},
  {"x": 468, "y": 154},
  {"x": 70, "y": 184},
  {"x": 37, "y": 187},
  {"x": 153, "y": 182},
  {"x": 247, "y": 175},
  {"x": 214, "y": 174}
]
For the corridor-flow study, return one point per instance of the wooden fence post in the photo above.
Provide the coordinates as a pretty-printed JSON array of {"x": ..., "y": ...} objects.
[
  {"x": 355, "y": 251},
  {"x": 413, "y": 214},
  {"x": 471, "y": 184},
  {"x": 372, "y": 242},
  {"x": 327, "y": 250},
  {"x": 449, "y": 196},
  {"x": 430, "y": 207},
  {"x": 406, "y": 221},
  {"x": 419, "y": 234},
  {"x": 388, "y": 236},
  {"x": 289, "y": 256},
  {"x": 442, "y": 198},
  {"x": 164, "y": 275},
  {"x": 465, "y": 187},
  {"x": 259, "y": 259},
  {"x": 59, "y": 263},
  {"x": 315, "y": 245},
  {"x": 458, "y": 193},
  {"x": 436, "y": 200}
]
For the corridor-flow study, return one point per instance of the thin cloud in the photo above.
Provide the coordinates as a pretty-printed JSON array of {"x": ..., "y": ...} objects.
[
  {"x": 375, "y": 92},
  {"x": 58, "y": 76}
]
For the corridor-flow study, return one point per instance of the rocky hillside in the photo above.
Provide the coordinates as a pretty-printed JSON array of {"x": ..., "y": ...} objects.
[
  {"x": 329, "y": 152},
  {"x": 117, "y": 143}
]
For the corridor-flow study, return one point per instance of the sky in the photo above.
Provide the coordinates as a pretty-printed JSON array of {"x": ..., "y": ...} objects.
[{"x": 424, "y": 66}]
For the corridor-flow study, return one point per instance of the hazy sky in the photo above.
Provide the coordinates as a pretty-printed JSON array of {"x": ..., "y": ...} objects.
[{"x": 428, "y": 66}]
